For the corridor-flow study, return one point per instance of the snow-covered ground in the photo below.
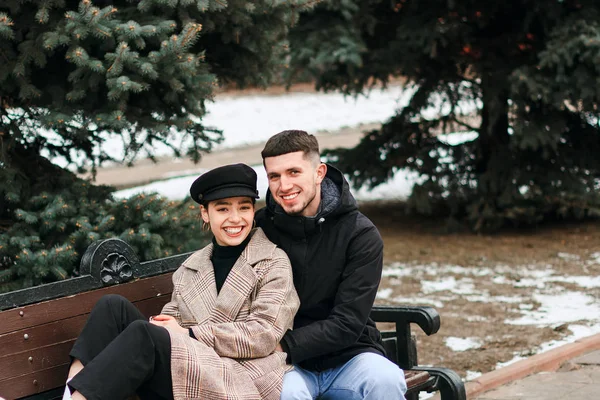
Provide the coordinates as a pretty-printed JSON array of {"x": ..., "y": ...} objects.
[{"x": 545, "y": 300}]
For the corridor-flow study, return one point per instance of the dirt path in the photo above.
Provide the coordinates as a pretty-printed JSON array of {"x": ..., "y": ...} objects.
[{"x": 146, "y": 171}]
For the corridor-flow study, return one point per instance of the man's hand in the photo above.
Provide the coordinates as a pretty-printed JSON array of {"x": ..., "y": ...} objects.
[
  {"x": 278, "y": 347},
  {"x": 169, "y": 323}
]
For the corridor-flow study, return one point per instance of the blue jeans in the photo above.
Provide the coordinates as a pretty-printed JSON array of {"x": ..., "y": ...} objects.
[{"x": 367, "y": 376}]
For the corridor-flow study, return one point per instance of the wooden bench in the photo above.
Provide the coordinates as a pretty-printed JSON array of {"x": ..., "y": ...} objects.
[{"x": 39, "y": 325}]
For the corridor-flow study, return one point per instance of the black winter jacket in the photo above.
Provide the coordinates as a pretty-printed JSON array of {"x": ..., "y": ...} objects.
[{"x": 337, "y": 259}]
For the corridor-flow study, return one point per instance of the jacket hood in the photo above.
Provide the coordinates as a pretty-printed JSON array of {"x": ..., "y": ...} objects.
[{"x": 336, "y": 200}]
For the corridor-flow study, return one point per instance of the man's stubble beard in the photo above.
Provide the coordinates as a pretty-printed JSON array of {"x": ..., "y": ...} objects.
[{"x": 299, "y": 213}]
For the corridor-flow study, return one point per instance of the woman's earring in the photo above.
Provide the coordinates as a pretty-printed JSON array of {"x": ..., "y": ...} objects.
[{"x": 205, "y": 226}]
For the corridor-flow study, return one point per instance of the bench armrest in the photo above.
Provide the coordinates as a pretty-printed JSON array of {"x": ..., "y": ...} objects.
[
  {"x": 400, "y": 345},
  {"x": 427, "y": 318}
]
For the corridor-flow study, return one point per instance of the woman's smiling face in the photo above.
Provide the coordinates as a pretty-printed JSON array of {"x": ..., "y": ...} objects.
[{"x": 230, "y": 219}]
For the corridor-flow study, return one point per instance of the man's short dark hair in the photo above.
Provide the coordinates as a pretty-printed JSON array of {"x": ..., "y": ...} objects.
[{"x": 291, "y": 141}]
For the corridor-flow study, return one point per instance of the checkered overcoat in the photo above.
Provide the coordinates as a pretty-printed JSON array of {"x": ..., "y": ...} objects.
[{"x": 237, "y": 330}]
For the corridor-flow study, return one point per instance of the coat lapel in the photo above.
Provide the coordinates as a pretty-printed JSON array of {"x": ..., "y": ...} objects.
[
  {"x": 237, "y": 288},
  {"x": 200, "y": 293},
  {"x": 242, "y": 279}
]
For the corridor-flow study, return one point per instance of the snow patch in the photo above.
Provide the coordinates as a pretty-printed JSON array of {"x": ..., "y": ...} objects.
[
  {"x": 383, "y": 294},
  {"x": 559, "y": 309},
  {"x": 594, "y": 258},
  {"x": 567, "y": 256},
  {"x": 421, "y": 301},
  {"x": 462, "y": 286},
  {"x": 462, "y": 344},
  {"x": 472, "y": 375}
]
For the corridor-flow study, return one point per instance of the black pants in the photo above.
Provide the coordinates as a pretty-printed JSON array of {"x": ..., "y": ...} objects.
[{"x": 123, "y": 354}]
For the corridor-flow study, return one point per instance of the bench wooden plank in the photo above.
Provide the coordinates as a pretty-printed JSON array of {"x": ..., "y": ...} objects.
[
  {"x": 415, "y": 378},
  {"x": 48, "y": 346},
  {"x": 31, "y": 361},
  {"x": 29, "y": 384},
  {"x": 42, "y": 335},
  {"x": 82, "y": 303}
]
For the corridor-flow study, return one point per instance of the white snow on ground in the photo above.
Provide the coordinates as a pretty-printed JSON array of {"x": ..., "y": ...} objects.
[
  {"x": 550, "y": 303},
  {"x": 462, "y": 344},
  {"x": 568, "y": 256},
  {"x": 449, "y": 283},
  {"x": 384, "y": 293},
  {"x": 472, "y": 375},
  {"x": 252, "y": 119},
  {"x": 559, "y": 308},
  {"x": 594, "y": 258}
]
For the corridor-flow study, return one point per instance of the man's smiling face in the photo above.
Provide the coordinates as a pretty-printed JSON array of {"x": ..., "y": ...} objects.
[{"x": 295, "y": 182}]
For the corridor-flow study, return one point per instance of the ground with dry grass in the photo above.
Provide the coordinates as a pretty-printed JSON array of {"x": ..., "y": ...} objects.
[{"x": 496, "y": 294}]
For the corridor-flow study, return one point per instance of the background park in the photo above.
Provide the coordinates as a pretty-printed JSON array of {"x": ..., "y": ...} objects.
[{"x": 468, "y": 129}]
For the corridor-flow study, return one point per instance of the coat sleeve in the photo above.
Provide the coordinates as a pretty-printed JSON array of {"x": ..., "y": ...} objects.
[
  {"x": 352, "y": 306},
  {"x": 271, "y": 315},
  {"x": 172, "y": 307}
]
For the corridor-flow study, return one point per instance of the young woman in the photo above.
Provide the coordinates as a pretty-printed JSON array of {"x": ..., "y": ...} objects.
[{"x": 218, "y": 337}]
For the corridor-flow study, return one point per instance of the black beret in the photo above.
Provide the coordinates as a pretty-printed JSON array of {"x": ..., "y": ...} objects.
[{"x": 227, "y": 181}]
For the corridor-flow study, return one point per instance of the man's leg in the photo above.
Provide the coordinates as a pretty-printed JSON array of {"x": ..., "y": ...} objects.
[
  {"x": 367, "y": 376},
  {"x": 300, "y": 384}
]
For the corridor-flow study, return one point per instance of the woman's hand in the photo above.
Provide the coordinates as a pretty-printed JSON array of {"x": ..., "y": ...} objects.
[{"x": 169, "y": 323}]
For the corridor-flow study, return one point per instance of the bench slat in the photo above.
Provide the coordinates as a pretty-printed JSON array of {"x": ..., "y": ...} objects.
[
  {"x": 46, "y": 340},
  {"x": 41, "y": 358},
  {"x": 29, "y": 384},
  {"x": 42, "y": 335},
  {"x": 415, "y": 378},
  {"x": 82, "y": 303}
]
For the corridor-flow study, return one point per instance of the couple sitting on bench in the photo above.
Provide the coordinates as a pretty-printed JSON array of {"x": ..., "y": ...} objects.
[{"x": 280, "y": 311}]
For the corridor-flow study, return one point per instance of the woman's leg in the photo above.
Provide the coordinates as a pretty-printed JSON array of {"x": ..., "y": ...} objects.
[
  {"x": 137, "y": 360},
  {"x": 109, "y": 319}
]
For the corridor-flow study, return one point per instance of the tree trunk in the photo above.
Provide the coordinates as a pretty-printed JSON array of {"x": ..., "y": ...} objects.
[{"x": 493, "y": 165}]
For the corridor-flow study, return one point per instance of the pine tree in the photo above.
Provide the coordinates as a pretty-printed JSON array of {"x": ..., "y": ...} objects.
[
  {"x": 522, "y": 75},
  {"x": 74, "y": 73}
]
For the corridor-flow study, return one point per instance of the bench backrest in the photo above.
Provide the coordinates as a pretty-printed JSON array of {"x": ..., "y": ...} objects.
[
  {"x": 39, "y": 325},
  {"x": 36, "y": 339}
]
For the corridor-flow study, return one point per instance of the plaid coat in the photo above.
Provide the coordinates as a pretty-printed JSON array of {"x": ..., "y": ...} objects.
[{"x": 237, "y": 330}]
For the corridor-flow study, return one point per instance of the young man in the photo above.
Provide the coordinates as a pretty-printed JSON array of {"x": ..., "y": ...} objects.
[{"x": 337, "y": 255}]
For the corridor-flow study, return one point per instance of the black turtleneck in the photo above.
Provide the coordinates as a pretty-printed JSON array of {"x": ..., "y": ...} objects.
[{"x": 223, "y": 258}]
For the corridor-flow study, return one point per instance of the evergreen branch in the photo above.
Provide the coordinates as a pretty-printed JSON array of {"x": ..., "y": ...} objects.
[
  {"x": 103, "y": 32},
  {"x": 221, "y": 3},
  {"x": 191, "y": 34},
  {"x": 122, "y": 49},
  {"x": 6, "y": 24}
]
